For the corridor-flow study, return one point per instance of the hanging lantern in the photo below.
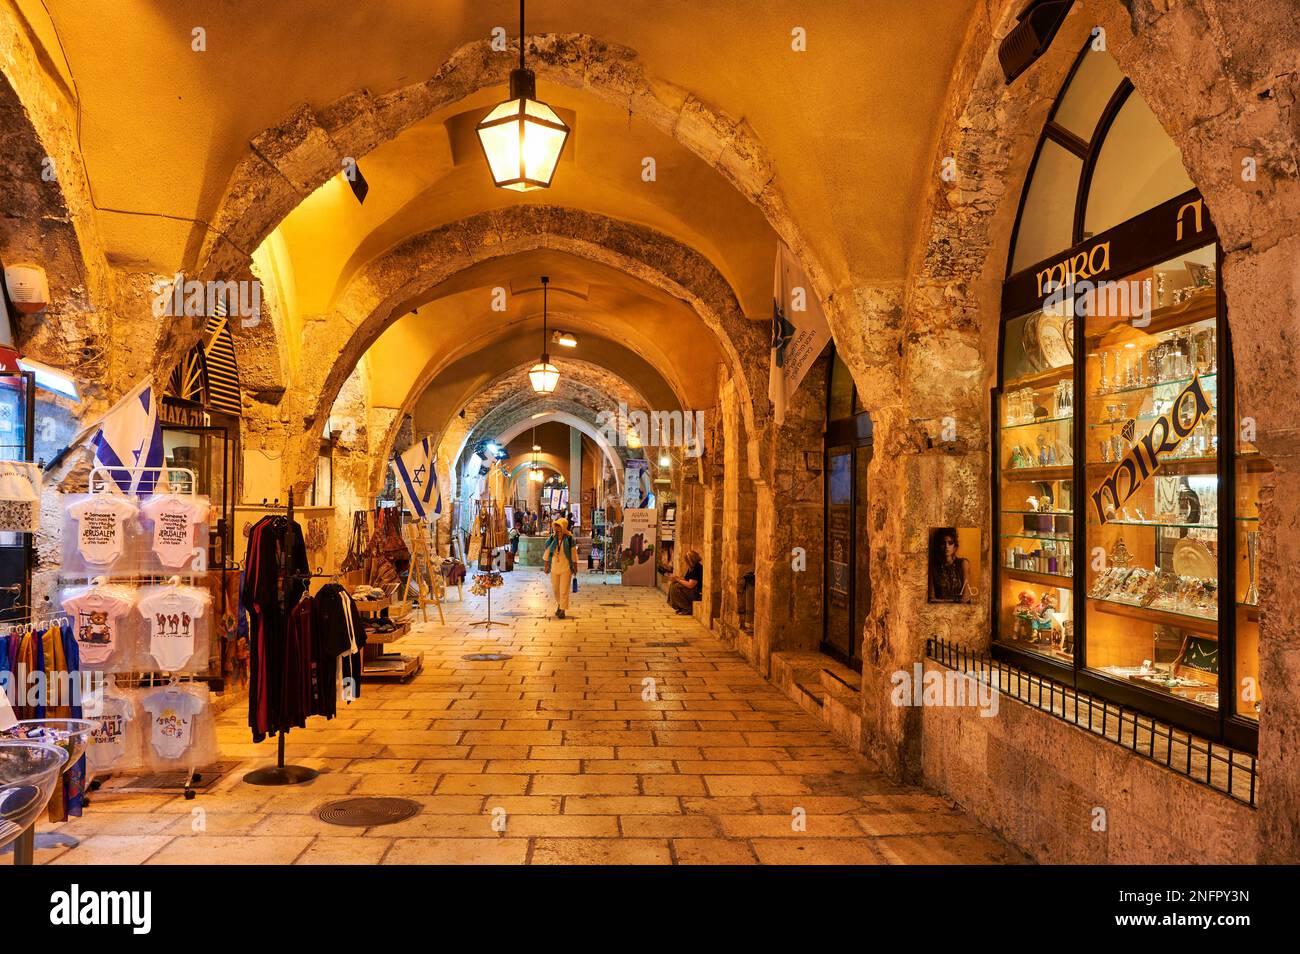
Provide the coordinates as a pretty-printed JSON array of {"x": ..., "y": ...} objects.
[
  {"x": 522, "y": 138},
  {"x": 544, "y": 375}
]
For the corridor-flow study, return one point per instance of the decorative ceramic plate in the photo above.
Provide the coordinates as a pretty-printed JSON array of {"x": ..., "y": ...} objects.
[
  {"x": 1193, "y": 558},
  {"x": 1051, "y": 341}
]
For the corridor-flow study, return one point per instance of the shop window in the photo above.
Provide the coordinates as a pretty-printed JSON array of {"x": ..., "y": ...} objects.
[
  {"x": 1090, "y": 88},
  {"x": 1137, "y": 168},
  {"x": 1126, "y": 499},
  {"x": 1048, "y": 218}
]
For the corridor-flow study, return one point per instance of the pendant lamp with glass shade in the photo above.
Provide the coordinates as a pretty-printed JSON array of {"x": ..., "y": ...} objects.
[
  {"x": 535, "y": 472},
  {"x": 544, "y": 375},
  {"x": 522, "y": 137}
]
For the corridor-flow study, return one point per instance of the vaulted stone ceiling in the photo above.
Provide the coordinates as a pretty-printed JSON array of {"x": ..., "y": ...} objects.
[{"x": 179, "y": 119}]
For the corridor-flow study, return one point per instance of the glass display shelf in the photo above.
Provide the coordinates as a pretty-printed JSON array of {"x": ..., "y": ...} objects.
[
  {"x": 1155, "y": 523},
  {"x": 1119, "y": 422},
  {"x": 1036, "y": 421},
  {"x": 1053, "y": 472},
  {"x": 1032, "y": 536},
  {"x": 1247, "y": 519},
  {"x": 1200, "y": 307},
  {"x": 1148, "y": 387},
  {"x": 1169, "y": 466},
  {"x": 1039, "y": 379},
  {"x": 1041, "y": 513},
  {"x": 1197, "y": 622},
  {"x": 1033, "y": 576}
]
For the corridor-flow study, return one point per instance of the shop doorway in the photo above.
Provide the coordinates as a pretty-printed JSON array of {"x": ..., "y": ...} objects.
[{"x": 846, "y": 590}]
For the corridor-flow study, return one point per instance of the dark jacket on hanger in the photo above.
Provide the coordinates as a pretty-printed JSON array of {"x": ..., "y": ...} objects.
[
  {"x": 275, "y": 568},
  {"x": 338, "y": 626}
]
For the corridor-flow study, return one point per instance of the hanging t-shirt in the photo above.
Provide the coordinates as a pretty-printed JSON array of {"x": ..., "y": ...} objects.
[
  {"x": 174, "y": 519},
  {"x": 172, "y": 613},
  {"x": 101, "y": 537},
  {"x": 171, "y": 720},
  {"x": 95, "y": 623},
  {"x": 109, "y": 742}
]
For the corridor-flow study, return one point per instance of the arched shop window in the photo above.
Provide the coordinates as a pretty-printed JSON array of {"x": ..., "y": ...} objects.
[
  {"x": 847, "y": 580},
  {"x": 1127, "y": 507}
]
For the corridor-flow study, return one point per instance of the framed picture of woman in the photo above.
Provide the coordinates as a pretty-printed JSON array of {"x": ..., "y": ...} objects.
[{"x": 954, "y": 564}]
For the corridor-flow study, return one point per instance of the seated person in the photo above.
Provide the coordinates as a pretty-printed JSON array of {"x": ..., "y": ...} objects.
[{"x": 685, "y": 590}]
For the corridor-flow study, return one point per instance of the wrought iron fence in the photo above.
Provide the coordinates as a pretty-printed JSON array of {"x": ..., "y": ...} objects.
[{"x": 1224, "y": 769}]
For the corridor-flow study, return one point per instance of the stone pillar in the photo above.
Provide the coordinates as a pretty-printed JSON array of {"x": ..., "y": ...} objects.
[
  {"x": 575, "y": 472},
  {"x": 739, "y": 514},
  {"x": 790, "y": 515}
]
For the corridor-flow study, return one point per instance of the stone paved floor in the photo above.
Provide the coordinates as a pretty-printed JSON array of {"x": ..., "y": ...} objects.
[{"x": 559, "y": 738}]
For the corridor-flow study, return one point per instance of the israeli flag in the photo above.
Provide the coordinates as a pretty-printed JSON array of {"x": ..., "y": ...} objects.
[
  {"x": 418, "y": 480},
  {"x": 128, "y": 444}
]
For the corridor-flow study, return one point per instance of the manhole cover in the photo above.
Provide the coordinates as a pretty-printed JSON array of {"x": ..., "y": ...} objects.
[
  {"x": 486, "y": 657},
  {"x": 368, "y": 812},
  {"x": 613, "y": 604}
]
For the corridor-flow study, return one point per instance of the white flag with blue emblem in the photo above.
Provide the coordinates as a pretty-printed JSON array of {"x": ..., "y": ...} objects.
[
  {"x": 418, "y": 480},
  {"x": 799, "y": 330},
  {"x": 128, "y": 444}
]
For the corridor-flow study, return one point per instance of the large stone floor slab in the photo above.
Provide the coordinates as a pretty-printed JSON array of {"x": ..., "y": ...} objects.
[{"x": 623, "y": 734}]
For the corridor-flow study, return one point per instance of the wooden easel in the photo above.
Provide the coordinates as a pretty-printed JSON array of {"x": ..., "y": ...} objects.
[{"x": 424, "y": 583}]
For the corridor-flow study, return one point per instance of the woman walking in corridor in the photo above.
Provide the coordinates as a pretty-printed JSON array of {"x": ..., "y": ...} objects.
[{"x": 558, "y": 561}]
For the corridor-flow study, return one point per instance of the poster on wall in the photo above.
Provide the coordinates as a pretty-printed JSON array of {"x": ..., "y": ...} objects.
[
  {"x": 636, "y": 484},
  {"x": 638, "y": 553},
  {"x": 954, "y": 564}
]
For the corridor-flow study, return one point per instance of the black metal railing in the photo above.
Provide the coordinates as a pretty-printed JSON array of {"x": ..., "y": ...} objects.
[{"x": 1217, "y": 766}]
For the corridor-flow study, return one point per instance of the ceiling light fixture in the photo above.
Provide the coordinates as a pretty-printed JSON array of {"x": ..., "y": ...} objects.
[
  {"x": 544, "y": 375},
  {"x": 522, "y": 138},
  {"x": 564, "y": 339},
  {"x": 535, "y": 472}
]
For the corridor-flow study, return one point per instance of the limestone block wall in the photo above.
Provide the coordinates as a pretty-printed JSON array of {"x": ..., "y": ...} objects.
[{"x": 1037, "y": 781}]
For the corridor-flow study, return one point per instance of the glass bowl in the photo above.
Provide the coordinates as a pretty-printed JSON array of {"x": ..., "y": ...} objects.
[
  {"x": 70, "y": 735},
  {"x": 28, "y": 773}
]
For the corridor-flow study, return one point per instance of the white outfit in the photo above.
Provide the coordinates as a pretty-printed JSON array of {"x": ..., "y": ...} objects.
[
  {"x": 101, "y": 537},
  {"x": 174, "y": 520},
  {"x": 173, "y": 615}
]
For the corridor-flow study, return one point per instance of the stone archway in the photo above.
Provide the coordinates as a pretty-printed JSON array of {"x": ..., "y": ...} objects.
[{"x": 372, "y": 299}]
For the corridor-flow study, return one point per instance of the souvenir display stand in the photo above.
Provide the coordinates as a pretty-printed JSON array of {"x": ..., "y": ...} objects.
[
  {"x": 377, "y": 665},
  {"x": 181, "y": 482}
]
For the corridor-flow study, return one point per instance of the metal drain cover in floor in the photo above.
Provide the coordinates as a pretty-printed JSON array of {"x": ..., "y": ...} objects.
[
  {"x": 367, "y": 812},
  {"x": 613, "y": 604},
  {"x": 487, "y": 657}
]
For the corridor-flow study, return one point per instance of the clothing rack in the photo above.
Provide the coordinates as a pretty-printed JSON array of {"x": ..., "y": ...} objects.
[{"x": 280, "y": 773}]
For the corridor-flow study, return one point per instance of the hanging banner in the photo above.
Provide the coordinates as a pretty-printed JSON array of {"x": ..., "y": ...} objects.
[
  {"x": 638, "y": 556},
  {"x": 799, "y": 330},
  {"x": 636, "y": 483}
]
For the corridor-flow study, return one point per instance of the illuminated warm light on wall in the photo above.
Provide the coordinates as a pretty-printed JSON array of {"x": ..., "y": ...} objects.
[
  {"x": 522, "y": 137},
  {"x": 665, "y": 460},
  {"x": 564, "y": 339}
]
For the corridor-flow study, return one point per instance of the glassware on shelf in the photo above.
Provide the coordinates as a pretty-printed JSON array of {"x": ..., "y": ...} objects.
[
  {"x": 1104, "y": 384},
  {"x": 1252, "y": 556}
]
